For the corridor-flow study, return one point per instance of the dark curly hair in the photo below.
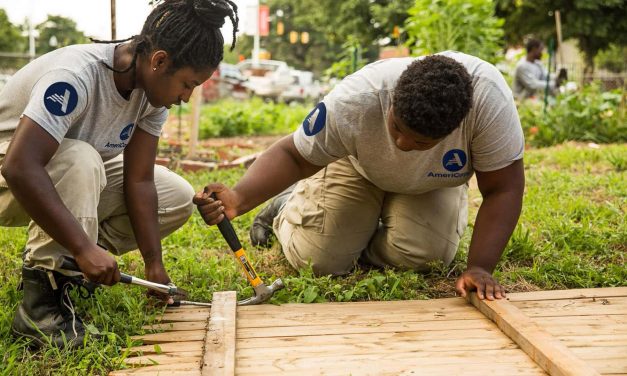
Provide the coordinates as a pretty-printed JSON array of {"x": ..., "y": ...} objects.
[
  {"x": 433, "y": 95},
  {"x": 188, "y": 30}
]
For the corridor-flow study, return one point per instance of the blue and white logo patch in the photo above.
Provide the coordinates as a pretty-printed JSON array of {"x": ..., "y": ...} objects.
[
  {"x": 454, "y": 160},
  {"x": 60, "y": 98},
  {"x": 126, "y": 132},
  {"x": 316, "y": 120}
]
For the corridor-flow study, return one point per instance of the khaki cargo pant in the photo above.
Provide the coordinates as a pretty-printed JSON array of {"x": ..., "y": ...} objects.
[
  {"x": 337, "y": 216},
  {"x": 92, "y": 190}
]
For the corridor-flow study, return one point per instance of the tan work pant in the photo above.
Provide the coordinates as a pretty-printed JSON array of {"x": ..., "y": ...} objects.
[
  {"x": 337, "y": 216},
  {"x": 92, "y": 190}
]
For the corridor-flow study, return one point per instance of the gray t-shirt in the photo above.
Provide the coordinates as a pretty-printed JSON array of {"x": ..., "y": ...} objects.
[
  {"x": 529, "y": 78},
  {"x": 71, "y": 94},
  {"x": 351, "y": 121}
]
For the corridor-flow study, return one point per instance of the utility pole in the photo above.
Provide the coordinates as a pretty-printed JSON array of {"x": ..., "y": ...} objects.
[
  {"x": 113, "y": 36},
  {"x": 256, "y": 36}
]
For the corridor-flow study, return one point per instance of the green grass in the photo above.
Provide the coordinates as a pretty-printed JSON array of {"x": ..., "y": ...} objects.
[{"x": 572, "y": 234}]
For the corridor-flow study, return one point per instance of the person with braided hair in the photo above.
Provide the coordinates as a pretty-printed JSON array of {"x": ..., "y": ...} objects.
[{"x": 79, "y": 128}]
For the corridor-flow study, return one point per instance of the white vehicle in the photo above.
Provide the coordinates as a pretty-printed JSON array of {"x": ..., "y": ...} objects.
[
  {"x": 267, "y": 79},
  {"x": 303, "y": 88}
]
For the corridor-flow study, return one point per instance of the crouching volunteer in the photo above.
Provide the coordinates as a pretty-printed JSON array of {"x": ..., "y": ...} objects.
[
  {"x": 382, "y": 166},
  {"x": 79, "y": 130}
]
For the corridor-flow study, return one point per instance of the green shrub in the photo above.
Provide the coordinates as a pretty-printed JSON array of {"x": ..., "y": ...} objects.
[
  {"x": 585, "y": 115},
  {"x": 254, "y": 117},
  {"x": 468, "y": 26}
]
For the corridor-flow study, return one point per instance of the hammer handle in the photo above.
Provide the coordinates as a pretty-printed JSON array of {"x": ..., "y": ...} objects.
[{"x": 228, "y": 232}]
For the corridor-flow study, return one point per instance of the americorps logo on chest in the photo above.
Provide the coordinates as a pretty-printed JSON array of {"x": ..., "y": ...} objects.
[
  {"x": 126, "y": 132},
  {"x": 124, "y": 135},
  {"x": 453, "y": 161}
]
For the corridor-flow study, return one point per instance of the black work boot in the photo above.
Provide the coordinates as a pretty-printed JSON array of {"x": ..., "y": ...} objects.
[
  {"x": 261, "y": 229},
  {"x": 47, "y": 311}
]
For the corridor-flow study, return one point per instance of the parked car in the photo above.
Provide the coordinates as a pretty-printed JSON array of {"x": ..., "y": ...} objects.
[
  {"x": 226, "y": 81},
  {"x": 266, "y": 79},
  {"x": 302, "y": 89}
]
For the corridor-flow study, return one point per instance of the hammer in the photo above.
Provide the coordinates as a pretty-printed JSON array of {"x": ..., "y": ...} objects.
[{"x": 262, "y": 291}]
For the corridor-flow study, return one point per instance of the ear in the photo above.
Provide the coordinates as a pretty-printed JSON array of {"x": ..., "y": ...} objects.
[{"x": 159, "y": 60}]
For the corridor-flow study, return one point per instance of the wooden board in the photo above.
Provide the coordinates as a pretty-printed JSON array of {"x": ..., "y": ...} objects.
[{"x": 569, "y": 332}]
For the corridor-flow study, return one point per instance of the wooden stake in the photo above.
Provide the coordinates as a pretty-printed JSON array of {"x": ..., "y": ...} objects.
[
  {"x": 196, "y": 101},
  {"x": 544, "y": 349}
]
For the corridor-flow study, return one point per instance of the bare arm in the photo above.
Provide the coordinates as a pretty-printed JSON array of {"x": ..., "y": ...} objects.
[
  {"x": 502, "y": 192},
  {"x": 276, "y": 169},
  {"x": 24, "y": 170},
  {"x": 140, "y": 196}
]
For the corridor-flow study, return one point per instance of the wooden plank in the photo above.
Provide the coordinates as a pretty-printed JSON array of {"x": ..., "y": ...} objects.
[
  {"x": 172, "y": 347},
  {"x": 543, "y": 348},
  {"x": 376, "y": 338},
  {"x": 595, "y": 340},
  {"x": 352, "y": 328},
  {"x": 177, "y": 326},
  {"x": 183, "y": 316},
  {"x": 507, "y": 362},
  {"x": 219, "y": 358},
  {"x": 606, "y": 360},
  {"x": 601, "y": 319},
  {"x": 568, "y": 294},
  {"x": 567, "y": 306},
  {"x": 402, "y": 368},
  {"x": 182, "y": 336},
  {"x": 165, "y": 369},
  {"x": 172, "y": 358},
  {"x": 378, "y": 349},
  {"x": 349, "y": 308},
  {"x": 363, "y": 318}
]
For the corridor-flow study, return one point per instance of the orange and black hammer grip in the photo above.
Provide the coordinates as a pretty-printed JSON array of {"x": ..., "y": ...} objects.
[{"x": 228, "y": 232}]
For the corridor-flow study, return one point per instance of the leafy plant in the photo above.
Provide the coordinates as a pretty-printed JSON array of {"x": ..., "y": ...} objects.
[
  {"x": 255, "y": 117},
  {"x": 585, "y": 115},
  {"x": 349, "y": 61},
  {"x": 464, "y": 25}
]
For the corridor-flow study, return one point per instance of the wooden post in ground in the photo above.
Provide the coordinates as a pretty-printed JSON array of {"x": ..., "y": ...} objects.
[{"x": 196, "y": 101}]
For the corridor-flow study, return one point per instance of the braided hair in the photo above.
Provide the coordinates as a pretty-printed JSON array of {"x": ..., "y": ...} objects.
[{"x": 188, "y": 30}]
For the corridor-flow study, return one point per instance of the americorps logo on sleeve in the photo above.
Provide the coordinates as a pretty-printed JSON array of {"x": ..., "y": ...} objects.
[
  {"x": 316, "y": 120},
  {"x": 60, "y": 98},
  {"x": 126, "y": 132},
  {"x": 454, "y": 160}
]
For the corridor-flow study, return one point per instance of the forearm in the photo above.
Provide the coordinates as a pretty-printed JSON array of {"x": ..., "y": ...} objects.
[
  {"x": 33, "y": 189},
  {"x": 141, "y": 203},
  {"x": 264, "y": 180},
  {"x": 493, "y": 227}
]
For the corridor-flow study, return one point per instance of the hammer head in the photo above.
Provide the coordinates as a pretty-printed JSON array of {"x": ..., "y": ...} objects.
[{"x": 263, "y": 293}]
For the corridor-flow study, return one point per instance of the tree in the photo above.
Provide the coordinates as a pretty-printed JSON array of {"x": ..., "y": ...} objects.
[
  {"x": 60, "y": 31},
  {"x": 463, "y": 25},
  {"x": 11, "y": 39},
  {"x": 329, "y": 24},
  {"x": 595, "y": 24}
]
